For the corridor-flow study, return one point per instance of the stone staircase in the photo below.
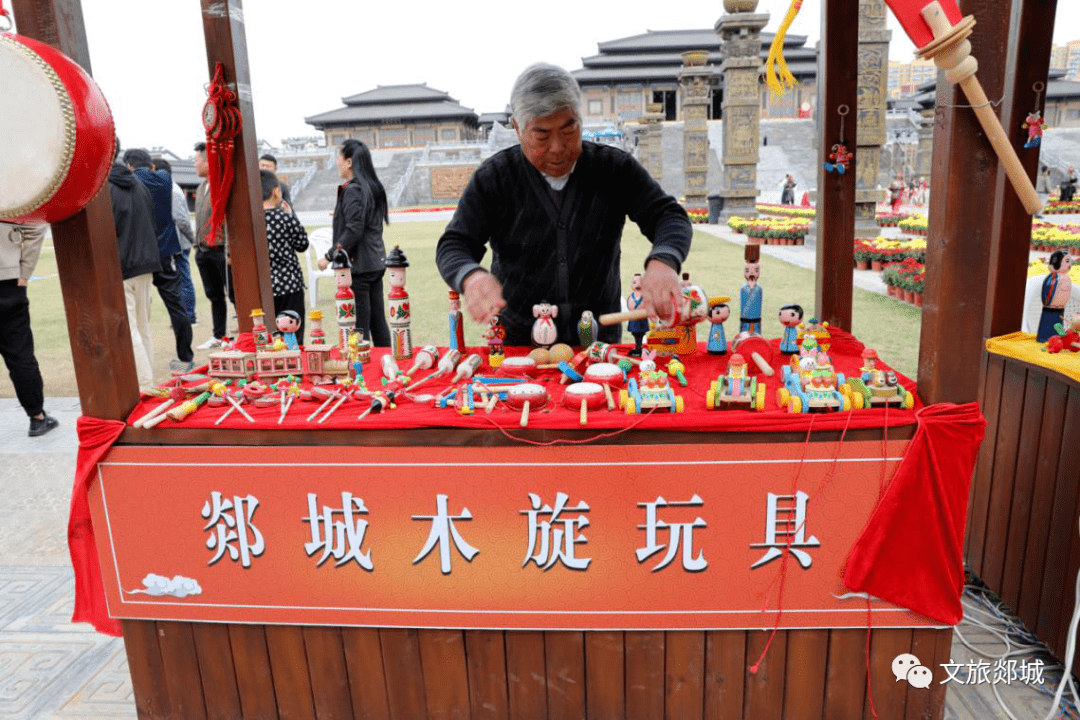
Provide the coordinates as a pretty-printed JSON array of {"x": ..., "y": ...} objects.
[{"x": 321, "y": 192}]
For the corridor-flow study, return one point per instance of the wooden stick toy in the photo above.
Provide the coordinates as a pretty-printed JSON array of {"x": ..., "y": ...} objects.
[
  {"x": 467, "y": 367},
  {"x": 377, "y": 405},
  {"x": 334, "y": 407},
  {"x": 677, "y": 370},
  {"x": 446, "y": 365},
  {"x": 525, "y": 396},
  {"x": 175, "y": 394},
  {"x": 426, "y": 357},
  {"x": 689, "y": 308},
  {"x": 584, "y": 396},
  {"x": 177, "y": 414},
  {"x": 757, "y": 348},
  {"x": 941, "y": 32},
  {"x": 390, "y": 369}
]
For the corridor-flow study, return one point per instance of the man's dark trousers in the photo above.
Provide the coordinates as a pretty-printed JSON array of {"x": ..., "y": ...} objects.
[
  {"x": 211, "y": 263},
  {"x": 167, "y": 282},
  {"x": 17, "y": 347}
]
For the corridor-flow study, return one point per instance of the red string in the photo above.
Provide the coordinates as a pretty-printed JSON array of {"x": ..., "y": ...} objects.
[
  {"x": 884, "y": 453},
  {"x": 869, "y": 629},
  {"x": 784, "y": 557},
  {"x": 565, "y": 441}
]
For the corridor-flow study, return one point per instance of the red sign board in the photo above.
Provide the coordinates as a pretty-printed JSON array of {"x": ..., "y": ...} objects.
[{"x": 613, "y": 537}]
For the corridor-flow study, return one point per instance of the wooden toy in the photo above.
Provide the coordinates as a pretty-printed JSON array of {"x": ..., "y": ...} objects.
[
  {"x": 446, "y": 365},
  {"x": 1055, "y": 294},
  {"x": 814, "y": 387},
  {"x": 639, "y": 326},
  {"x": 271, "y": 364},
  {"x": 790, "y": 317},
  {"x": 288, "y": 324},
  {"x": 541, "y": 355},
  {"x": 690, "y": 308},
  {"x": 457, "y": 323},
  {"x": 522, "y": 365},
  {"x": 940, "y": 31},
  {"x": 315, "y": 329},
  {"x": 560, "y": 352},
  {"x": 584, "y": 396},
  {"x": 344, "y": 300},
  {"x": 525, "y": 397},
  {"x": 586, "y": 329},
  {"x": 877, "y": 388},
  {"x": 605, "y": 352},
  {"x": 333, "y": 408},
  {"x": 736, "y": 388},
  {"x": 819, "y": 330},
  {"x": 650, "y": 390},
  {"x": 231, "y": 364},
  {"x": 677, "y": 370},
  {"x": 718, "y": 313},
  {"x": 176, "y": 394},
  {"x": 390, "y": 369},
  {"x": 258, "y": 330},
  {"x": 544, "y": 332},
  {"x": 334, "y": 395},
  {"x": 751, "y": 294},
  {"x": 221, "y": 391},
  {"x": 178, "y": 413},
  {"x": 607, "y": 376},
  {"x": 569, "y": 373},
  {"x": 467, "y": 367},
  {"x": 757, "y": 348},
  {"x": 426, "y": 357},
  {"x": 495, "y": 334},
  {"x": 378, "y": 404},
  {"x": 398, "y": 300}
]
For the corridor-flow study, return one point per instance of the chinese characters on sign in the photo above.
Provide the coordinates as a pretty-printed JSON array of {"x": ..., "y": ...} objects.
[
  {"x": 1001, "y": 672},
  {"x": 555, "y": 532}
]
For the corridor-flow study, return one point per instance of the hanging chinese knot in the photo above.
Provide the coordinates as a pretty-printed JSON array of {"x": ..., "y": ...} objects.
[{"x": 222, "y": 120}]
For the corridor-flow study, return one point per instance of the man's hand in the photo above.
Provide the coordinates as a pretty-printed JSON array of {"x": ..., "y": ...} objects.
[
  {"x": 659, "y": 285},
  {"x": 483, "y": 296},
  {"x": 21, "y": 282},
  {"x": 323, "y": 262}
]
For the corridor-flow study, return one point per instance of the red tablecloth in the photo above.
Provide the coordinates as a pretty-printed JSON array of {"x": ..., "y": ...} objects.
[{"x": 701, "y": 369}]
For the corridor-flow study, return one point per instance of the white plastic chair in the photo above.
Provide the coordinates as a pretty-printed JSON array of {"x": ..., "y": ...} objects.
[{"x": 318, "y": 244}]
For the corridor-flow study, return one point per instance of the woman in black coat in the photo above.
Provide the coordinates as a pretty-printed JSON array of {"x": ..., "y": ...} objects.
[{"x": 359, "y": 216}]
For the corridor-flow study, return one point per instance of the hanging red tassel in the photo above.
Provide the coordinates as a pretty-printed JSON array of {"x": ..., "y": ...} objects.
[{"x": 222, "y": 120}]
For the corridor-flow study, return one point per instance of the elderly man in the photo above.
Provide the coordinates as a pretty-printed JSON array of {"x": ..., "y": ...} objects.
[{"x": 552, "y": 209}]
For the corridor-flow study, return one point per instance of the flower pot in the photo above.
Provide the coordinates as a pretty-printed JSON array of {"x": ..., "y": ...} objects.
[
  {"x": 734, "y": 6},
  {"x": 695, "y": 58},
  {"x": 918, "y": 299},
  {"x": 862, "y": 264},
  {"x": 909, "y": 297},
  {"x": 892, "y": 290},
  {"x": 875, "y": 265}
]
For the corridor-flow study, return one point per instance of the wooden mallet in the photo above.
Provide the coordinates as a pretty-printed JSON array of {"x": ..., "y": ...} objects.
[
  {"x": 755, "y": 347},
  {"x": 690, "y": 308}
]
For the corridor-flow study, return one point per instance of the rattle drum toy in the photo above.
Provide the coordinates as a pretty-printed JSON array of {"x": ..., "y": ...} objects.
[
  {"x": 585, "y": 396},
  {"x": 525, "y": 397}
]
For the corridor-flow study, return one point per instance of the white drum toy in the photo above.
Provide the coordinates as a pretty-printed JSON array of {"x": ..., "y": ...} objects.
[
  {"x": 518, "y": 367},
  {"x": 607, "y": 375},
  {"x": 584, "y": 396},
  {"x": 57, "y": 131},
  {"x": 524, "y": 397}
]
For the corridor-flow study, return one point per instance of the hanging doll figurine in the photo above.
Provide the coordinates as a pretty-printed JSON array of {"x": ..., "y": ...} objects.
[
  {"x": 1035, "y": 125},
  {"x": 840, "y": 158}
]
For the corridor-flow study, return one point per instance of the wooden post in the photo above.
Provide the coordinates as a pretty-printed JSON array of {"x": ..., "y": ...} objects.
[
  {"x": 1027, "y": 63},
  {"x": 838, "y": 77},
  {"x": 86, "y": 254},
  {"x": 962, "y": 201},
  {"x": 223, "y": 27}
]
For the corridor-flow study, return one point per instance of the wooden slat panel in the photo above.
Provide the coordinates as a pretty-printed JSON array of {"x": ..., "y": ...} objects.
[
  {"x": 932, "y": 647},
  {"x": 1026, "y": 463},
  {"x": 978, "y": 496},
  {"x": 404, "y": 677},
  {"x": 605, "y": 676},
  {"x": 564, "y": 658},
  {"x": 1052, "y": 609},
  {"x": 485, "y": 653},
  {"x": 367, "y": 681},
  {"x": 446, "y": 680},
  {"x": 181, "y": 670},
  {"x": 1042, "y": 502},
  {"x": 684, "y": 674},
  {"x": 328, "y": 672},
  {"x": 526, "y": 674},
  {"x": 725, "y": 668},
  {"x": 1002, "y": 480},
  {"x": 890, "y": 696},
  {"x": 289, "y": 670},
  {"x": 217, "y": 671},
  {"x": 845, "y": 679},
  {"x": 1057, "y": 641},
  {"x": 764, "y": 694},
  {"x": 645, "y": 675},
  {"x": 254, "y": 681},
  {"x": 147, "y": 671},
  {"x": 804, "y": 686}
]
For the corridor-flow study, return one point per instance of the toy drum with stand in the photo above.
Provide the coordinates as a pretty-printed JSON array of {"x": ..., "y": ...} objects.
[
  {"x": 524, "y": 397},
  {"x": 584, "y": 396},
  {"x": 607, "y": 375},
  {"x": 518, "y": 366},
  {"x": 58, "y": 133}
]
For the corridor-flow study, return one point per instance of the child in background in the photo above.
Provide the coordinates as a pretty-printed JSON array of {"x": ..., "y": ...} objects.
[{"x": 285, "y": 237}]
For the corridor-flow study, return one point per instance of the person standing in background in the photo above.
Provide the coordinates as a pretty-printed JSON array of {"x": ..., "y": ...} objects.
[
  {"x": 20, "y": 247},
  {"x": 182, "y": 220},
  {"x": 210, "y": 255}
]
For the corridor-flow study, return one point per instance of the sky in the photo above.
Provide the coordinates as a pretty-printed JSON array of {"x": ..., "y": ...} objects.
[{"x": 150, "y": 57}]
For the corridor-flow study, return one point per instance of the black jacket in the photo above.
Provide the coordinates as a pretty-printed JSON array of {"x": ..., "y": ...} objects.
[
  {"x": 358, "y": 228},
  {"x": 560, "y": 247},
  {"x": 133, "y": 213}
]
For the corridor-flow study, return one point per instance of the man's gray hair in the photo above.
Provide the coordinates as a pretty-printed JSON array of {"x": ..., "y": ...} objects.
[{"x": 543, "y": 90}]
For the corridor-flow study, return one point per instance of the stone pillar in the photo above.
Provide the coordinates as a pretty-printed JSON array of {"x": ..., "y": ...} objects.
[
  {"x": 924, "y": 157},
  {"x": 870, "y": 133},
  {"x": 740, "y": 32},
  {"x": 650, "y": 140},
  {"x": 695, "y": 77}
]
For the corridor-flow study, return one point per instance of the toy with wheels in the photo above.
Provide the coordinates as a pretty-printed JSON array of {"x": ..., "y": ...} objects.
[
  {"x": 654, "y": 395},
  {"x": 736, "y": 389},
  {"x": 813, "y": 389},
  {"x": 878, "y": 388}
]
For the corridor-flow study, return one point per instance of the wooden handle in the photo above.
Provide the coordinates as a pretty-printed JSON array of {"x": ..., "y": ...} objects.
[
  {"x": 159, "y": 410},
  {"x": 584, "y": 412},
  {"x": 154, "y": 420},
  {"x": 765, "y": 367},
  {"x": 1000, "y": 142},
  {"x": 607, "y": 394},
  {"x": 615, "y": 318},
  {"x": 525, "y": 415}
]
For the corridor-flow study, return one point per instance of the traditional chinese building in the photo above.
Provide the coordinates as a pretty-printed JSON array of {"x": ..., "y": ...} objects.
[
  {"x": 628, "y": 73},
  {"x": 394, "y": 116}
]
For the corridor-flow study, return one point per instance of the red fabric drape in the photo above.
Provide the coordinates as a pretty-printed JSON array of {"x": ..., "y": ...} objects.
[
  {"x": 95, "y": 438},
  {"x": 911, "y": 551}
]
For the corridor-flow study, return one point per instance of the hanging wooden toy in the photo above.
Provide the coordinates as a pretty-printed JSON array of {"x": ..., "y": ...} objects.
[
  {"x": 940, "y": 31},
  {"x": 839, "y": 158},
  {"x": 223, "y": 122},
  {"x": 57, "y": 129},
  {"x": 1034, "y": 123}
]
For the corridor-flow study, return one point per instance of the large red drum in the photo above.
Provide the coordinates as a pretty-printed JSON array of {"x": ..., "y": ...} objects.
[{"x": 57, "y": 131}]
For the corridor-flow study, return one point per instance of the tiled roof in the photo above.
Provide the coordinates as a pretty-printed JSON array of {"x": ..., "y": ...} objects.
[
  {"x": 397, "y": 93},
  {"x": 392, "y": 112},
  {"x": 680, "y": 40}
]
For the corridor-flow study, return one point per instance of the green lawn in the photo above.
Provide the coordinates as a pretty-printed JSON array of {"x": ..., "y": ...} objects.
[{"x": 890, "y": 327}]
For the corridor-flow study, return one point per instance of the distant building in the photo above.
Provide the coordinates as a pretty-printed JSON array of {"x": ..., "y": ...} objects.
[
  {"x": 1062, "y": 100},
  {"x": 398, "y": 116},
  {"x": 630, "y": 72},
  {"x": 1067, "y": 58},
  {"x": 906, "y": 77}
]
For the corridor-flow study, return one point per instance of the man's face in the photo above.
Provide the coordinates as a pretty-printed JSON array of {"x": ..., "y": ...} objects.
[
  {"x": 268, "y": 165},
  {"x": 200, "y": 164},
  {"x": 552, "y": 143},
  {"x": 751, "y": 271}
]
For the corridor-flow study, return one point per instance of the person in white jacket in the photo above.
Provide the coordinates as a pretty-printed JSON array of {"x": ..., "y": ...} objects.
[{"x": 20, "y": 247}]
